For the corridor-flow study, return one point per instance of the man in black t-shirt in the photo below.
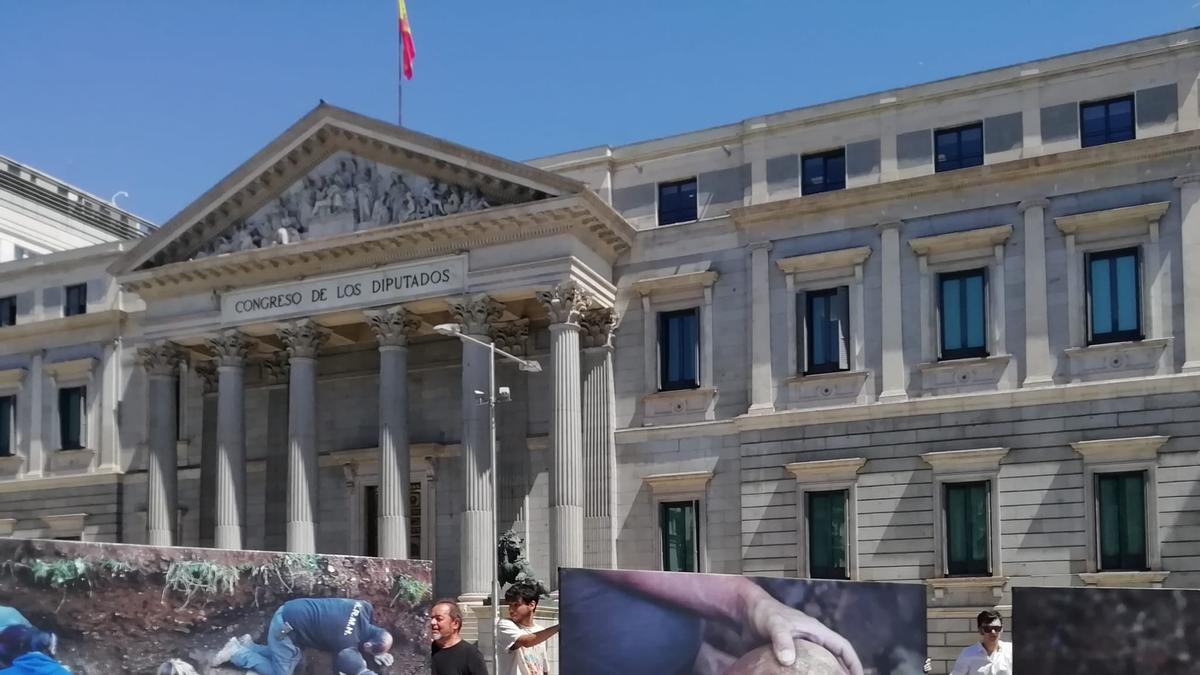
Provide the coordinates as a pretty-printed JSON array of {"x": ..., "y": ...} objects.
[
  {"x": 326, "y": 624},
  {"x": 451, "y": 655}
]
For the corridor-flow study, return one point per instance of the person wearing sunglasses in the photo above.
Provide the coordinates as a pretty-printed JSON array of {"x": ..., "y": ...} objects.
[{"x": 989, "y": 656}]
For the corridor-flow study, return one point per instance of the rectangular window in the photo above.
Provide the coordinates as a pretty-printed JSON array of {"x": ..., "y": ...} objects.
[
  {"x": 827, "y": 328},
  {"x": 1106, "y": 121},
  {"x": 823, "y": 172},
  {"x": 679, "y": 349},
  {"x": 8, "y": 311},
  {"x": 8, "y": 409},
  {"x": 827, "y": 534},
  {"x": 962, "y": 306},
  {"x": 958, "y": 148},
  {"x": 677, "y": 202},
  {"x": 967, "y": 529},
  {"x": 1114, "y": 296},
  {"x": 71, "y": 401},
  {"x": 680, "y": 536},
  {"x": 75, "y": 300},
  {"x": 1122, "y": 517}
]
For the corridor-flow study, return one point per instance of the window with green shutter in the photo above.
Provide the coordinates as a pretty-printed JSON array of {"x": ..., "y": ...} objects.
[
  {"x": 826, "y": 513},
  {"x": 70, "y": 417},
  {"x": 967, "y": 529},
  {"x": 680, "y": 536},
  {"x": 1122, "y": 516}
]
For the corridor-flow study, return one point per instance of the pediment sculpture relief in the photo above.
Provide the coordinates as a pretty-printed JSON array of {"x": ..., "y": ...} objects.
[{"x": 344, "y": 194}]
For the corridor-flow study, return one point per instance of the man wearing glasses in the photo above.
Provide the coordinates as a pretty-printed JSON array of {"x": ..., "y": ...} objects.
[{"x": 989, "y": 656}]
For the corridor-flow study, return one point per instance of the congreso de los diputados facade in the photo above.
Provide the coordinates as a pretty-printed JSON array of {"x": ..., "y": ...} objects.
[{"x": 945, "y": 334}]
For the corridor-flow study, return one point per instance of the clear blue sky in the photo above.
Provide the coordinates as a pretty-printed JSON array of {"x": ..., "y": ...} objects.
[{"x": 161, "y": 98}]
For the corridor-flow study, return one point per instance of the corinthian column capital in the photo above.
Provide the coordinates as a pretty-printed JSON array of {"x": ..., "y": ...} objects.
[
  {"x": 231, "y": 348},
  {"x": 303, "y": 338},
  {"x": 565, "y": 302},
  {"x": 393, "y": 326},
  {"x": 476, "y": 313},
  {"x": 598, "y": 326},
  {"x": 207, "y": 370},
  {"x": 161, "y": 358},
  {"x": 511, "y": 336}
]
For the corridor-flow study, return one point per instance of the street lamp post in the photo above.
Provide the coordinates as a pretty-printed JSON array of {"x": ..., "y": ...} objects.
[{"x": 489, "y": 399}]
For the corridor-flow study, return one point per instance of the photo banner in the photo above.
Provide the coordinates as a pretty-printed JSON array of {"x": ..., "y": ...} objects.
[
  {"x": 1106, "y": 631},
  {"x": 633, "y": 622},
  {"x": 126, "y": 609}
]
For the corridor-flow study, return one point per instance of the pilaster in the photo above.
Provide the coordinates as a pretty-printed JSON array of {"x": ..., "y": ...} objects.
[
  {"x": 762, "y": 384},
  {"x": 1189, "y": 203},
  {"x": 895, "y": 386},
  {"x": 1039, "y": 369}
]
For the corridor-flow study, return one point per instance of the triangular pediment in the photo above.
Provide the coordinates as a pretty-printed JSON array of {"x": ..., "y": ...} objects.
[{"x": 335, "y": 173}]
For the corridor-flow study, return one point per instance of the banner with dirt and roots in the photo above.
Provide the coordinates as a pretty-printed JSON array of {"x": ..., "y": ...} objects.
[{"x": 107, "y": 609}]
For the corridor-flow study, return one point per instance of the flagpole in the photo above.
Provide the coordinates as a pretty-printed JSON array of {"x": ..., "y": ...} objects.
[{"x": 399, "y": 77}]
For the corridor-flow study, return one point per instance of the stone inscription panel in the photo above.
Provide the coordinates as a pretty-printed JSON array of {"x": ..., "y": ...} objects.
[{"x": 386, "y": 285}]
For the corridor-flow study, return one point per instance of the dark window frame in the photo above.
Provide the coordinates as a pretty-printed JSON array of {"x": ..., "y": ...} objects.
[
  {"x": 665, "y": 336},
  {"x": 827, "y": 366},
  {"x": 1132, "y": 335},
  {"x": 970, "y": 567},
  {"x": 72, "y": 436},
  {"x": 8, "y": 425},
  {"x": 826, "y": 185},
  {"x": 664, "y": 533},
  {"x": 1108, "y": 134},
  {"x": 1125, "y": 560},
  {"x": 958, "y": 162},
  {"x": 79, "y": 306},
  {"x": 680, "y": 212},
  {"x": 962, "y": 352},
  {"x": 8, "y": 311},
  {"x": 814, "y": 537}
]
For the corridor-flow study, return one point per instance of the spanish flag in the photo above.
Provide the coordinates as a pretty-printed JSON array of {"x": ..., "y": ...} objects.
[{"x": 408, "y": 49}]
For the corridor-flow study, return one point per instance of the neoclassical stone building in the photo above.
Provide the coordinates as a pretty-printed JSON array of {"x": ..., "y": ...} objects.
[{"x": 947, "y": 334}]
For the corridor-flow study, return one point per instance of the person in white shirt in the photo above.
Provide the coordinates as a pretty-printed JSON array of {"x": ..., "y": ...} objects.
[
  {"x": 522, "y": 642},
  {"x": 989, "y": 656}
]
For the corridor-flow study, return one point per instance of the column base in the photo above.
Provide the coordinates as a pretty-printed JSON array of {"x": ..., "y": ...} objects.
[
  {"x": 301, "y": 537},
  {"x": 1190, "y": 367},
  {"x": 896, "y": 396},
  {"x": 473, "y": 598},
  {"x": 761, "y": 409},
  {"x": 1036, "y": 381},
  {"x": 228, "y": 537}
]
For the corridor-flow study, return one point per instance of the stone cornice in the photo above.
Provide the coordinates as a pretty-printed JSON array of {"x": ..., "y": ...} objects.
[
  {"x": 676, "y": 282},
  {"x": 1120, "y": 449},
  {"x": 688, "y": 481},
  {"x": 826, "y": 470},
  {"x": 12, "y": 377},
  {"x": 66, "y": 524},
  {"x": 1141, "y": 214},
  {"x": 594, "y": 221},
  {"x": 965, "y": 461},
  {"x": 825, "y": 261},
  {"x": 966, "y": 240},
  {"x": 73, "y": 370},
  {"x": 900, "y": 191},
  {"x": 59, "y": 325}
]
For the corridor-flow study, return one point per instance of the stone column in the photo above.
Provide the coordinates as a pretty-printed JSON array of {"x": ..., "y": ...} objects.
[
  {"x": 161, "y": 362},
  {"x": 231, "y": 350},
  {"x": 206, "y": 370},
  {"x": 762, "y": 384},
  {"x": 599, "y": 441},
  {"x": 476, "y": 313},
  {"x": 1189, "y": 218},
  {"x": 892, "y": 321},
  {"x": 393, "y": 327},
  {"x": 303, "y": 339},
  {"x": 1039, "y": 370},
  {"x": 564, "y": 303}
]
